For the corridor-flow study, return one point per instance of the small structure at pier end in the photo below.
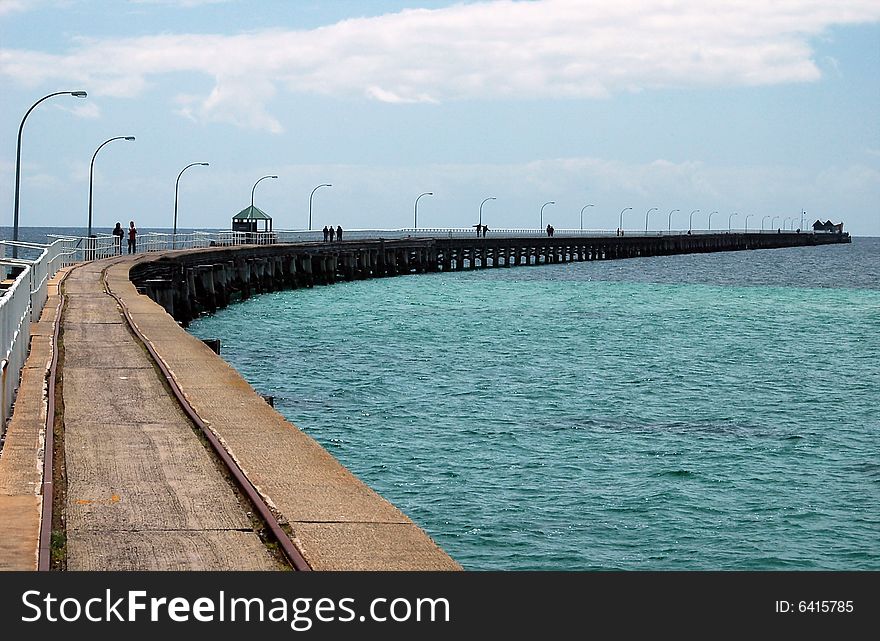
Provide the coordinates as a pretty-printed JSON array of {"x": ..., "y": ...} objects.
[
  {"x": 828, "y": 226},
  {"x": 247, "y": 219}
]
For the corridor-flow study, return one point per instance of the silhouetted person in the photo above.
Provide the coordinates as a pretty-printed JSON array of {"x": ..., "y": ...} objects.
[
  {"x": 549, "y": 230},
  {"x": 118, "y": 233},
  {"x": 485, "y": 229},
  {"x": 339, "y": 232},
  {"x": 552, "y": 230},
  {"x": 326, "y": 233},
  {"x": 332, "y": 233},
  {"x": 479, "y": 228},
  {"x": 132, "y": 237}
]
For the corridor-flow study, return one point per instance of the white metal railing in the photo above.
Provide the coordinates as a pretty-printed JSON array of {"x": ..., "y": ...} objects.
[
  {"x": 79, "y": 249},
  {"x": 21, "y": 302},
  {"x": 15, "y": 310}
]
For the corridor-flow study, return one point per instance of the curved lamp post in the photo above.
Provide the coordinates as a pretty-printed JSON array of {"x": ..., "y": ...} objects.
[
  {"x": 416, "y": 209},
  {"x": 691, "y": 221},
  {"x": 762, "y": 221},
  {"x": 785, "y": 222},
  {"x": 77, "y": 94},
  {"x": 255, "y": 187},
  {"x": 176, "y": 189},
  {"x": 485, "y": 200},
  {"x": 646, "y": 216},
  {"x": 670, "y": 218},
  {"x": 310, "y": 201},
  {"x": 549, "y": 202},
  {"x": 582, "y": 215},
  {"x": 729, "y": 218},
  {"x": 92, "y": 173},
  {"x": 773, "y": 222},
  {"x": 710, "y": 220},
  {"x": 621, "y": 217},
  {"x": 747, "y": 222}
]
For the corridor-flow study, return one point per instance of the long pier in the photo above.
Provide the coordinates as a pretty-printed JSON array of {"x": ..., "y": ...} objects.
[
  {"x": 193, "y": 282},
  {"x": 165, "y": 458}
]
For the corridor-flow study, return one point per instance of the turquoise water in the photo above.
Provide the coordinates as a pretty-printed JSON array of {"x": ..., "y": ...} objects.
[{"x": 715, "y": 411}]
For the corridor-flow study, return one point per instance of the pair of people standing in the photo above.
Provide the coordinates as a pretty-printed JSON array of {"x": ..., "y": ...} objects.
[
  {"x": 118, "y": 232},
  {"x": 331, "y": 234}
]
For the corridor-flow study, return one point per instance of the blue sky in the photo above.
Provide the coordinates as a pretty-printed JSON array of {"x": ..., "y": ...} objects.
[{"x": 755, "y": 107}]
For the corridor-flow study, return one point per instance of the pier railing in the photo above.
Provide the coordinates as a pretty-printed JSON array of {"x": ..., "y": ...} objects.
[
  {"x": 25, "y": 289},
  {"x": 80, "y": 249}
]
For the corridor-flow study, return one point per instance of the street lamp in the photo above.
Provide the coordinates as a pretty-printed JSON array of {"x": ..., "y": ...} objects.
[
  {"x": 803, "y": 214},
  {"x": 77, "y": 94},
  {"x": 646, "y": 216},
  {"x": 691, "y": 221},
  {"x": 729, "y": 218},
  {"x": 621, "y": 217},
  {"x": 549, "y": 202},
  {"x": 416, "y": 209},
  {"x": 670, "y": 218},
  {"x": 481, "y": 208},
  {"x": 310, "y": 201},
  {"x": 747, "y": 222},
  {"x": 773, "y": 222},
  {"x": 710, "y": 220},
  {"x": 762, "y": 222},
  {"x": 582, "y": 215},
  {"x": 176, "y": 188},
  {"x": 785, "y": 222},
  {"x": 255, "y": 187},
  {"x": 92, "y": 173}
]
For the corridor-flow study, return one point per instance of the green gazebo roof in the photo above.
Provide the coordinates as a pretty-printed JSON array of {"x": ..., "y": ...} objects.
[{"x": 252, "y": 213}]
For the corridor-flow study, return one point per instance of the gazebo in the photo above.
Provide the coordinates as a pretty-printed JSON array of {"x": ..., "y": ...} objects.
[{"x": 247, "y": 219}]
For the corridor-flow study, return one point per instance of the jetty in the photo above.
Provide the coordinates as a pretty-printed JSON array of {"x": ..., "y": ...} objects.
[
  {"x": 187, "y": 284},
  {"x": 134, "y": 446}
]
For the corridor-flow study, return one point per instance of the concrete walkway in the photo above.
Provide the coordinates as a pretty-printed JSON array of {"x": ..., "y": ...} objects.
[{"x": 143, "y": 493}]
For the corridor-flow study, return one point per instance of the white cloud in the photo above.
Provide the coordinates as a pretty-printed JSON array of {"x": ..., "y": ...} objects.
[
  {"x": 186, "y": 4},
  {"x": 497, "y": 50},
  {"x": 11, "y": 6},
  {"x": 87, "y": 110}
]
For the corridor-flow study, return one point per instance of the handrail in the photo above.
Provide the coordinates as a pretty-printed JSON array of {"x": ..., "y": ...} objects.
[{"x": 21, "y": 304}]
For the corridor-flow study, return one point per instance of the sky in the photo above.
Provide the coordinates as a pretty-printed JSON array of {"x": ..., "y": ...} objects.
[{"x": 741, "y": 107}]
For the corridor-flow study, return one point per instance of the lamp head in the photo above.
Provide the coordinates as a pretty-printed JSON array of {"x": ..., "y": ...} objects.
[
  {"x": 79, "y": 94},
  {"x": 129, "y": 137},
  {"x": 204, "y": 164}
]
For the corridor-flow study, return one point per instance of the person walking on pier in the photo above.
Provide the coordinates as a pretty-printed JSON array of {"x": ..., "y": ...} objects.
[
  {"x": 332, "y": 233},
  {"x": 118, "y": 233},
  {"x": 485, "y": 229},
  {"x": 339, "y": 232},
  {"x": 132, "y": 237},
  {"x": 326, "y": 233},
  {"x": 549, "y": 230}
]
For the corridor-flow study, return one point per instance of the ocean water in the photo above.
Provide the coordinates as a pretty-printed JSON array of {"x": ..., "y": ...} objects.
[{"x": 700, "y": 412}]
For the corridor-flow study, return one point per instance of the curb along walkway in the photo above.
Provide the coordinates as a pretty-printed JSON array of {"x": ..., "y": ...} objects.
[
  {"x": 142, "y": 491},
  {"x": 338, "y": 522}
]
